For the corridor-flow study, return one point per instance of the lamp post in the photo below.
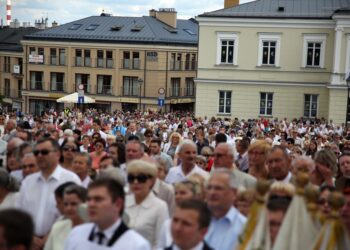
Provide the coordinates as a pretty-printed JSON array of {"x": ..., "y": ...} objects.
[
  {"x": 348, "y": 103},
  {"x": 140, "y": 81}
]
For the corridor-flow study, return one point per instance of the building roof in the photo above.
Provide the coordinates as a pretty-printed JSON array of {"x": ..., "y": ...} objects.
[
  {"x": 297, "y": 9},
  {"x": 115, "y": 29},
  {"x": 10, "y": 38}
]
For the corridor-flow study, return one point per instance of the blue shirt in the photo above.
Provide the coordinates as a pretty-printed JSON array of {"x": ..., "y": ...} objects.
[
  {"x": 223, "y": 233},
  {"x": 122, "y": 130}
]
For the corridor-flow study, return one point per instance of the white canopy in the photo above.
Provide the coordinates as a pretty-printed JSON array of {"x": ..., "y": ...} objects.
[{"x": 73, "y": 98}]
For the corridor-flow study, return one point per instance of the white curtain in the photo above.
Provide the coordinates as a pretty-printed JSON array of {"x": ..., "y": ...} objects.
[{"x": 53, "y": 81}]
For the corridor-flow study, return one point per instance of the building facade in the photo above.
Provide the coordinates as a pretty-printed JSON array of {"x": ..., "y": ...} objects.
[
  {"x": 11, "y": 66},
  {"x": 275, "y": 59},
  {"x": 124, "y": 63}
]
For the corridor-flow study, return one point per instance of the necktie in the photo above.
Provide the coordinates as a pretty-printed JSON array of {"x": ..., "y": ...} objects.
[{"x": 100, "y": 237}]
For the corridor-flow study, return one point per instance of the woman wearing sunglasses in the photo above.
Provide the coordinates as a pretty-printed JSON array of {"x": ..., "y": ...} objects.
[
  {"x": 68, "y": 149},
  {"x": 146, "y": 212},
  {"x": 99, "y": 152}
]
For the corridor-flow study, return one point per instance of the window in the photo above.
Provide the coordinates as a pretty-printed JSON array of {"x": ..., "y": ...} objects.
[
  {"x": 189, "y": 91},
  {"x": 53, "y": 56},
  {"x": 41, "y": 53},
  {"x": 7, "y": 88},
  {"x": 62, "y": 56},
  {"x": 175, "y": 63},
  {"x": 78, "y": 58},
  {"x": 131, "y": 86},
  {"x": 75, "y": 26},
  {"x": 104, "y": 84},
  {"x": 313, "y": 54},
  {"x": 83, "y": 79},
  {"x": 269, "y": 50},
  {"x": 266, "y": 103},
  {"x": 175, "y": 87},
  {"x": 32, "y": 51},
  {"x": 314, "y": 51},
  {"x": 87, "y": 58},
  {"x": 92, "y": 27},
  {"x": 36, "y": 80},
  {"x": 7, "y": 64},
  {"x": 225, "y": 102},
  {"x": 310, "y": 105},
  {"x": 190, "y": 32},
  {"x": 227, "y": 44},
  {"x": 135, "y": 60},
  {"x": 100, "y": 58},
  {"x": 152, "y": 55},
  {"x": 109, "y": 59},
  {"x": 126, "y": 59},
  {"x": 57, "y": 81}
]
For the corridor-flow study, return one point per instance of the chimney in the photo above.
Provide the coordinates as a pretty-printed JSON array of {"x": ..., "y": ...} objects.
[
  {"x": 167, "y": 16},
  {"x": 54, "y": 24},
  {"x": 8, "y": 12},
  {"x": 152, "y": 13},
  {"x": 231, "y": 3}
]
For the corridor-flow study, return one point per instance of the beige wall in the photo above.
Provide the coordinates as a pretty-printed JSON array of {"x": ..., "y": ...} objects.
[
  {"x": 337, "y": 105},
  {"x": 288, "y": 101}
]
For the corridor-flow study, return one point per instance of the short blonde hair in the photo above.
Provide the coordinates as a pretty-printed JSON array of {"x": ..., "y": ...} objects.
[
  {"x": 175, "y": 134},
  {"x": 260, "y": 145},
  {"x": 140, "y": 166}
]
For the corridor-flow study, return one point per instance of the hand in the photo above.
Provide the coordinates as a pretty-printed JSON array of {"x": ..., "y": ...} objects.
[
  {"x": 38, "y": 243},
  {"x": 326, "y": 173}
]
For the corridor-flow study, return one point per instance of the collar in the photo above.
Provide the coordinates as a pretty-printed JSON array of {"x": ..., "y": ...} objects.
[
  {"x": 288, "y": 178},
  {"x": 191, "y": 172},
  {"x": 199, "y": 246},
  {"x": 156, "y": 186},
  {"x": 148, "y": 202},
  {"x": 229, "y": 216},
  {"x": 109, "y": 231},
  {"x": 55, "y": 175}
]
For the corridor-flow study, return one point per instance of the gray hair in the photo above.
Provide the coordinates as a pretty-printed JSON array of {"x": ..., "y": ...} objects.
[
  {"x": 187, "y": 142},
  {"x": 87, "y": 156},
  {"x": 232, "y": 179},
  {"x": 8, "y": 182},
  {"x": 310, "y": 162}
]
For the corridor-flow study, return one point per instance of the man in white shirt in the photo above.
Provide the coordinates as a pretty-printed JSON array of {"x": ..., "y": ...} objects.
[
  {"x": 278, "y": 163},
  {"x": 81, "y": 165},
  {"x": 187, "y": 155},
  {"x": 37, "y": 191},
  {"x": 105, "y": 205}
]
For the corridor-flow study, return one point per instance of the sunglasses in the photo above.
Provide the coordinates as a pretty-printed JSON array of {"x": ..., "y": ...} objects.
[
  {"x": 42, "y": 152},
  {"x": 70, "y": 149},
  {"x": 141, "y": 178}
]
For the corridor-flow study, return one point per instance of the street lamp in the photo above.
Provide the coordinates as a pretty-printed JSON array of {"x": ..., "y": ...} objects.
[
  {"x": 140, "y": 81},
  {"x": 348, "y": 102}
]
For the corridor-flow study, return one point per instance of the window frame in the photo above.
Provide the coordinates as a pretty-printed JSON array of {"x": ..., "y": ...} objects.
[
  {"x": 227, "y": 36},
  {"x": 266, "y": 100},
  {"x": 225, "y": 106},
  {"x": 310, "y": 108},
  {"x": 269, "y": 38},
  {"x": 316, "y": 38}
]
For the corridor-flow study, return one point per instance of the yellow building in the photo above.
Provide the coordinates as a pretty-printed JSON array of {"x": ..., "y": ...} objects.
[
  {"x": 124, "y": 63},
  {"x": 11, "y": 66},
  {"x": 274, "y": 59}
]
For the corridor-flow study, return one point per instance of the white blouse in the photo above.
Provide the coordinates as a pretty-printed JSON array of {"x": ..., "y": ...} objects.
[{"x": 147, "y": 217}]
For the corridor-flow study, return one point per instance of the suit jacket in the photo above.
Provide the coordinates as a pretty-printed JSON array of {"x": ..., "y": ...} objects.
[
  {"x": 342, "y": 183},
  {"x": 205, "y": 247}
]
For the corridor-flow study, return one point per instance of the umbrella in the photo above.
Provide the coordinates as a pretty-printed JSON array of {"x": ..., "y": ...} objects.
[{"x": 73, "y": 98}]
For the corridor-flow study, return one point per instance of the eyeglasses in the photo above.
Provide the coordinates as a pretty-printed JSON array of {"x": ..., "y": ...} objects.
[
  {"x": 70, "y": 149},
  {"x": 141, "y": 178},
  {"x": 42, "y": 152}
]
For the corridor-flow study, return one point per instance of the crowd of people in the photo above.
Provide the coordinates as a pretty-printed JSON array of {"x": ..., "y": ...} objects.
[{"x": 92, "y": 180}]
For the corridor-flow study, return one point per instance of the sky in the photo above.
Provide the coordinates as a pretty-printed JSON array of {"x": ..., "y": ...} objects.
[{"x": 64, "y": 11}]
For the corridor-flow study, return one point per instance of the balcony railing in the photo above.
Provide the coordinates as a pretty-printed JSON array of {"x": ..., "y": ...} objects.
[
  {"x": 126, "y": 91},
  {"x": 58, "y": 86},
  {"x": 182, "y": 65},
  {"x": 36, "y": 85},
  {"x": 57, "y": 60},
  {"x": 104, "y": 90},
  {"x": 182, "y": 92},
  {"x": 12, "y": 93},
  {"x": 131, "y": 63}
]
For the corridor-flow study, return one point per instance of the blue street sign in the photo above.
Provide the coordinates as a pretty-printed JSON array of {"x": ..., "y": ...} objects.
[
  {"x": 160, "y": 102},
  {"x": 80, "y": 99}
]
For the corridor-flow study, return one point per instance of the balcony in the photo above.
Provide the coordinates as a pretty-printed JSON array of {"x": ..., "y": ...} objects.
[
  {"x": 131, "y": 63},
  {"x": 182, "y": 65},
  {"x": 182, "y": 92},
  {"x": 104, "y": 90},
  {"x": 36, "y": 85},
  {"x": 58, "y": 86},
  {"x": 12, "y": 93}
]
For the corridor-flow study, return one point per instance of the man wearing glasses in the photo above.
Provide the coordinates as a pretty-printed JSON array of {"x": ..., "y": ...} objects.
[{"x": 37, "y": 192}]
